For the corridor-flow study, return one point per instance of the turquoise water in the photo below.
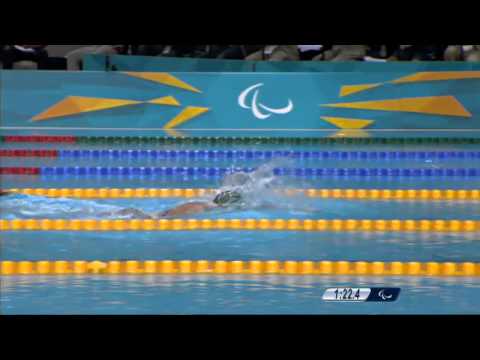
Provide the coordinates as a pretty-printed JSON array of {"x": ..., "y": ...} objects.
[
  {"x": 236, "y": 294},
  {"x": 228, "y": 295}
]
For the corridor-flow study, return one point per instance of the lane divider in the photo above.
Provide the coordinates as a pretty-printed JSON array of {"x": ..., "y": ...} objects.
[
  {"x": 220, "y": 172},
  {"x": 308, "y": 225},
  {"x": 243, "y": 154},
  {"x": 299, "y": 268},
  {"x": 30, "y": 153},
  {"x": 353, "y": 194},
  {"x": 39, "y": 139},
  {"x": 19, "y": 171},
  {"x": 139, "y": 140}
]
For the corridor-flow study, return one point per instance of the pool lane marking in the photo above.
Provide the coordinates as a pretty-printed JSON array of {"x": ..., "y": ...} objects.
[
  {"x": 216, "y": 172},
  {"x": 240, "y": 154},
  {"x": 264, "y": 268},
  {"x": 238, "y": 140},
  {"x": 298, "y": 225},
  {"x": 20, "y": 153},
  {"x": 353, "y": 194}
]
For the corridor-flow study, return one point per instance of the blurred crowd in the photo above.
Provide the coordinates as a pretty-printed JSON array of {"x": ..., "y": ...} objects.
[
  {"x": 36, "y": 56},
  {"x": 318, "y": 52}
]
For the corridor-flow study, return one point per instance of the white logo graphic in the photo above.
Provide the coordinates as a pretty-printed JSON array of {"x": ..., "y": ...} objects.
[
  {"x": 255, "y": 106},
  {"x": 383, "y": 296}
]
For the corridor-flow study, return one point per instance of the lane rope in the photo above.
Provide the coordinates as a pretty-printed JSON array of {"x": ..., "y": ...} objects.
[
  {"x": 243, "y": 155},
  {"x": 353, "y": 194},
  {"x": 299, "y": 268},
  {"x": 307, "y": 225},
  {"x": 215, "y": 172},
  {"x": 29, "y": 153},
  {"x": 158, "y": 140}
]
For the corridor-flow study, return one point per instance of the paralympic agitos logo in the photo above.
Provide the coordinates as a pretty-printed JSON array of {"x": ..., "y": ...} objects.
[{"x": 259, "y": 110}]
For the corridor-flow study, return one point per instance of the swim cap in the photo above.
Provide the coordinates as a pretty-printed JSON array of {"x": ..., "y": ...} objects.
[{"x": 227, "y": 198}]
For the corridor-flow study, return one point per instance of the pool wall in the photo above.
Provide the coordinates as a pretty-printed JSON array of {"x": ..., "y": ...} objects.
[{"x": 178, "y": 102}]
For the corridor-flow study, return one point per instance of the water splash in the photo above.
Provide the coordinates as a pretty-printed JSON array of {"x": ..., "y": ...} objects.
[
  {"x": 261, "y": 190},
  {"x": 19, "y": 206}
]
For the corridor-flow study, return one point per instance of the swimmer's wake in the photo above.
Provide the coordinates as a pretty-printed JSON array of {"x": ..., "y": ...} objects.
[{"x": 238, "y": 192}]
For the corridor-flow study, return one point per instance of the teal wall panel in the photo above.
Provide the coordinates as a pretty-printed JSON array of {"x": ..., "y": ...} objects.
[{"x": 275, "y": 101}]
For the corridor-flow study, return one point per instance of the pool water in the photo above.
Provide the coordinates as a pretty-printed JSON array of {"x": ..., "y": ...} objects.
[
  {"x": 242, "y": 294},
  {"x": 187, "y": 295}
]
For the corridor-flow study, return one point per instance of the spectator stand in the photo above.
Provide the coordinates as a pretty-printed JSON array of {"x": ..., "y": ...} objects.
[{"x": 169, "y": 64}]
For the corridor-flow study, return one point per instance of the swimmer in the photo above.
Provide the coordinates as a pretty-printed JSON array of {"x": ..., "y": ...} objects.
[
  {"x": 224, "y": 200},
  {"x": 239, "y": 191}
]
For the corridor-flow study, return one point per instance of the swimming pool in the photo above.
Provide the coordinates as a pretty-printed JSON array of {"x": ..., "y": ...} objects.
[{"x": 343, "y": 205}]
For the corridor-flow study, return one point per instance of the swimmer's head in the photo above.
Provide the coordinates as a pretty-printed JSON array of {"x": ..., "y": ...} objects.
[{"x": 226, "y": 198}]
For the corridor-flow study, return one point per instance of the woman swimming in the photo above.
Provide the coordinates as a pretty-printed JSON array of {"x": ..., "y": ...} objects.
[
  {"x": 224, "y": 200},
  {"x": 239, "y": 191},
  {"x": 20, "y": 205}
]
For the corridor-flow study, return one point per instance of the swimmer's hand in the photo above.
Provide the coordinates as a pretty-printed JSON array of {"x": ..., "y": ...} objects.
[{"x": 187, "y": 209}]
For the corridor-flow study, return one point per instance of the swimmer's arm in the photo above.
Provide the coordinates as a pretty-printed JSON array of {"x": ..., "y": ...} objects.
[
  {"x": 135, "y": 213},
  {"x": 188, "y": 209},
  {"x": 185, "y": 209}
]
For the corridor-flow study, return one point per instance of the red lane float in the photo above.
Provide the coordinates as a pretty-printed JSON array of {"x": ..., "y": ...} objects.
[
  {"x": 41, "y": 139},
  {"x": 19, "y": 171},
  {"x": 29, "y": 153}
]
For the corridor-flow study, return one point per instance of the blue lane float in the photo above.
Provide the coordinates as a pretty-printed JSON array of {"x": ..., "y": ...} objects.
[
  {"x": 265, "y": 155},
  {"x": 292, "y": 172}
]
